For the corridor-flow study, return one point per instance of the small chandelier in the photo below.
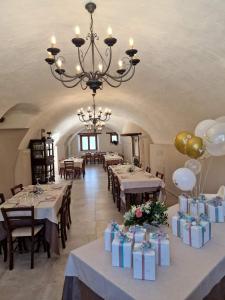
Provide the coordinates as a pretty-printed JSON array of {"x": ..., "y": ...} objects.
[
  {"x": 93, "y": 76},
  {"x": 94, "y": 120}
]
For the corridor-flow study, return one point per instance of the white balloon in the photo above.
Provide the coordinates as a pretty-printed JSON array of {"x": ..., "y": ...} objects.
[
  {"x": 194, "y": 165},
  {"x": 221, "y": 119},
  {"x": 184, "y": 179},
  {"x": 215, "y": 149},
  {"x": 203, "y": 126},
  {"x": 216, "y": 133}
]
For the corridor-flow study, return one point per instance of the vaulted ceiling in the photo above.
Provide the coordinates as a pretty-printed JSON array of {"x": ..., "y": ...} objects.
[{"x": 180, "y": 80}]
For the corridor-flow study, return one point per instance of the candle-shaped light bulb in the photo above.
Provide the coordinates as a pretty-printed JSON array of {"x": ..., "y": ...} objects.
[
  {"x": 78, "y": 112},
  {"x": 100, "y": 109},
  {"x": 89, "y": 109},
  {"x": 77, "y": 31},
  {"x": 53, "y": 41},
  {"x": 131, "y": 43},
  {"x": 120, "y": 63},
  {"x": 109, "y": 31},
  {"x": 59, "y": 63},
  {"x": 50, "y": 55},
  {"x": 78, "y": 69},
  {"x": 100, "y": 67}
]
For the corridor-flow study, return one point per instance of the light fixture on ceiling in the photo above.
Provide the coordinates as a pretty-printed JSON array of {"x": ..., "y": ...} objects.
[
  {"x": 98, "y": 71},
  {"x": 94, "y": 120}
]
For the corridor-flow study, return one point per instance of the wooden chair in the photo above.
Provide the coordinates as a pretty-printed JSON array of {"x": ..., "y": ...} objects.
[
  {"x": 159, "y": 175},
  {"x": 2, "y": 198},
  {"x": 88, "y": 158},
  {"x": 77, "y": 172},
  {"x": 19, "y": 223},
  {"x": 16, "y": 189},
  {"x": 109, "y": 173},
  {"x": 62, "y": 221},
  {"x": 117, "y": 192},
  {"x": 148, "y": 169},
  {"x": 97, "y": 158},
  {"x": 69, "y": 169},
  {"x": 68, "y": 198}
]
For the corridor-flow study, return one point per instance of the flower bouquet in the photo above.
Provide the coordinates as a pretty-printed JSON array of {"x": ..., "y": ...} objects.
[{"x": 151, "y": 212}]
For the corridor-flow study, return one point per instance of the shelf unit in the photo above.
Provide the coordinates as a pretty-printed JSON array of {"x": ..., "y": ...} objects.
[{"x": 42, "y": 160}]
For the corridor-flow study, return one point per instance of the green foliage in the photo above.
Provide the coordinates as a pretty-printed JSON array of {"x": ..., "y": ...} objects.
[{"x": 153, "y": 213}]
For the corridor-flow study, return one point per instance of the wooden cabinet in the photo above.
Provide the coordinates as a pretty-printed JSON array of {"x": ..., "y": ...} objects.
[{"x": 42, "y": 160}]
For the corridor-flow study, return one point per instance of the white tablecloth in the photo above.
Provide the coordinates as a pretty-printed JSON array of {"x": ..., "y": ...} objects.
[
  {"x": 78, "y": 162},
  {"x": 109, "y": 157},
  {"x": 192, "y": 274},
  {"x": 46, "y": 205}
]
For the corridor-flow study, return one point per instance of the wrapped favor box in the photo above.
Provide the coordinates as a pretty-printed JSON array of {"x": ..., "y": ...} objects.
[
  {"x": 193, "y": 207},
  {"x": 178, "y": 222},
  {"x": 193, "y": 235},
  {"x": 109, "y": 235},
  {"x": 138, "y": 232},
  {"x": 184, "y": 201},
  {"x": 122, "y": 252},
  {"x": 144, "y": 262},
  {"x": 207, "y": 232},
  {"x": 216, "y": 210},
  {"x": 161, "y": 244}
]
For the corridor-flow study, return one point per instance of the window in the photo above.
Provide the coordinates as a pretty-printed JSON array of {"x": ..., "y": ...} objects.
[
  {"x": 88, "y": 142},
  {"x": 114, "y": 138}
]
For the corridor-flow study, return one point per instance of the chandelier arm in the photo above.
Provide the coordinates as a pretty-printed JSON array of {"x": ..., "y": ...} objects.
[
  {"x": 82, "y": 67},
  {"x": 83, "y": 56},
  {"x": 128, "y": 78},
  {"x": 111, "y": 84},
  {"x": 101, "y": 56},
  {"x": 70, "y": 86},
  {"x": 109, "y": 62},
  {"x": 84, "y": 87},
  {"x": 119, "y": 77},
  {"x": 54, "y": 75}
]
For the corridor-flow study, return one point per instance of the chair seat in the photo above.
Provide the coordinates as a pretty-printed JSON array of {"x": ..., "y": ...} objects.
[{"x": 26, "y": 231}]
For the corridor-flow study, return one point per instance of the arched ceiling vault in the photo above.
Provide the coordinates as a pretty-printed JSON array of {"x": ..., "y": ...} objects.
[{"x": 180, "y": 81}]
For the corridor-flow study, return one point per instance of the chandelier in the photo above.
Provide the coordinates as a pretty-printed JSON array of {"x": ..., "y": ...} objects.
[
  {"x": 94, "y": 74},
  {"x": 94, "y": 120}
]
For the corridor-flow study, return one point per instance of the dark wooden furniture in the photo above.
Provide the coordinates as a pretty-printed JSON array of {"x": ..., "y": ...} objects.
[
  {"x": 148, "y": 169},
  {"x": 159, "y": 175},
  {"x": 2, "y": 198},
  {"x": 69, "y": 169},
  {"x": 42, "y": 160},
  {"x": 63, "y": 218},
  {"x": 19, "y": 223},
  {"x": 16, "y": 189}
]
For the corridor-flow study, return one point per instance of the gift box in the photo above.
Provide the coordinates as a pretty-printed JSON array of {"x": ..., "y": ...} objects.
[
  {"x": 144, "y": 261},
  {"x": 138, "y": 232},
  {"x": 178, "y": 222},
  {"x": 161, "y": 244},
  {"x": 216, "y": 210},
  {"x": 193, "y": 207},
  {"x": 110, "y": 234},
  {"x": 184, "y": 201},
  {"x": 194, "y": 234},
  {"x": 122, "y": 247},
  {"x": 202, "y": 205},
  {"x": 206, "y": 224}
]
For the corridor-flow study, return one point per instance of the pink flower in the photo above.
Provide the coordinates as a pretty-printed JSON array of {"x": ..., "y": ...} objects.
[{"x": 138, "y": 213}]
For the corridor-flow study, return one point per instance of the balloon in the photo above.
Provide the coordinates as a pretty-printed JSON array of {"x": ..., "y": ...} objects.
[
  {"x": 195, "y": 147},
  {"x": 216, "y": 133},
  {"x": 194, "y": 165},
  {"x": 203, "y": 126},
  {"x": 181, "y": 141},
  {"x": 184, "y": 179},
  {"x": 221, "y": 119},
  {"x": 215, "y": 149}
]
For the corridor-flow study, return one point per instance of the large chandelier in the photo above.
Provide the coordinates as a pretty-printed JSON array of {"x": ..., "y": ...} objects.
[
  {"x": 94, "y": 120},
  {"x": 94, "y": 74}
]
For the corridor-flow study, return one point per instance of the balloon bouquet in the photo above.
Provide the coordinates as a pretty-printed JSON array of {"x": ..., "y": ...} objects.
[{"x": 208, "y": 140}]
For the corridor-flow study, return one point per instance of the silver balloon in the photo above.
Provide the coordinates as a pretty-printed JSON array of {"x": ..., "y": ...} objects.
[
  {"x": 203, "y": 126},
  {"x": 184, "y": 179},
  {"x": 194, "y": 165},
  {"x": 215, "y": 140}
]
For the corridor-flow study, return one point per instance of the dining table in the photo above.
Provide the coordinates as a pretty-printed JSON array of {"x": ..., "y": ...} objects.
[
  {"x": 78, "y": 163},
  {"x": 46, "y": 204},
  {"x": 111, "y": 159},
  {"x": 193, "y": 273}
]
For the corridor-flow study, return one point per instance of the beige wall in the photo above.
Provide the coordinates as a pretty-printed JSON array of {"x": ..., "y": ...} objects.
[{"x": 9, "y": 143}]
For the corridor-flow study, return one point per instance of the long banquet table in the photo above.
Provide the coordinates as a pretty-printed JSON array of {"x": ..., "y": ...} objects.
[
  {"x": 191, "y": 275},
  {"x": 46, "y": 208}
]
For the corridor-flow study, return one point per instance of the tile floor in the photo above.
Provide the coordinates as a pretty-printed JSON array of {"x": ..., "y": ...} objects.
[{"x": 92, "y": 208}]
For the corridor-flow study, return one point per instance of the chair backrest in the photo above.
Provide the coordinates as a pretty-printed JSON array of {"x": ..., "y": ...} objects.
[
  {"x": 148, "y": 169},
  {"x": 69, "y": 164},
  {"x": 159, "y": 175},
  {"x": 16, "y": 189},
  {"x": 2, "y": 198},
  {"x": 17, "y": 217}
]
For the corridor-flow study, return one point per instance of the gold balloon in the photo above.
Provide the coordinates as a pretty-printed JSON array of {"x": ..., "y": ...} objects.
[
  {"x": 195, "y": 147},
  {"x": 181, "y": 141}
]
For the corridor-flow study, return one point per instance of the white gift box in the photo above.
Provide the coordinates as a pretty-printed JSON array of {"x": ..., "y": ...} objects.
[
  {"x": 216, "y": 211},
  {"x": 161, "y": 244},
  {"x": 122, "y": 253},
  {"x": 207, "y": 230},
  {"x": 193, "y": 208},
  {"x": 144, "y": 263},
  {"x": 177, "y": 225},
  {"x": 109, "y": 235},
  {"x": 139, "y": 233},
  {"x": 202, "y": 207},
  {"x": 193, "y": 235},
  {"x": 184, "y": 201}
]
